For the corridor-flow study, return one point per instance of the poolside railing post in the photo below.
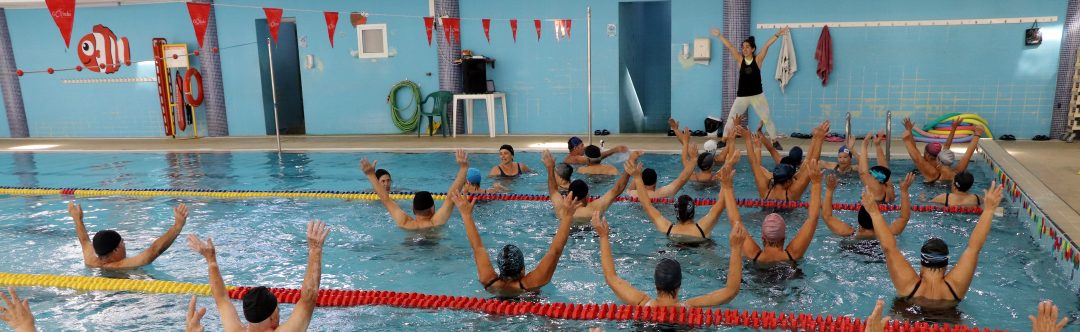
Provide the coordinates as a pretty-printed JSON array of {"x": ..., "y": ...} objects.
[
  {"x": 888, "y": 136},
  {"x": 273, "y": 94},
  {"x": 847, "y": 126},
  {"x": 588, "y": 64}
]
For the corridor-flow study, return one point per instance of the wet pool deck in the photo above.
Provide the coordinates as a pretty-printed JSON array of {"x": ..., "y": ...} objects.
[{"x": 1048, "y": 171}]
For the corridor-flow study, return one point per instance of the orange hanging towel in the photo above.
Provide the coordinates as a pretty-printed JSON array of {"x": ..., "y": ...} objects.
[{"x": 824, "y": 55}]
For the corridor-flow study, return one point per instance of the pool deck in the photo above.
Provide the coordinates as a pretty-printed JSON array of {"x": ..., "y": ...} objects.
[{"x": 1049, "y": 171}]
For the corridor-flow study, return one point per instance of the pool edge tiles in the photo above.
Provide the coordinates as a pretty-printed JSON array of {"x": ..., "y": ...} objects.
[{"x": 1052, "y": 221}]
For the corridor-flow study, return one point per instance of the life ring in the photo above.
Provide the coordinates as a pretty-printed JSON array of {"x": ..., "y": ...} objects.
[
  {"x": 180, "y": 121},
  {"x": 192, "y": 72}
]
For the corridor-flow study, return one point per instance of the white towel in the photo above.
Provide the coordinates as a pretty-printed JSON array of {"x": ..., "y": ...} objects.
[{"x": 785, "y": 62}]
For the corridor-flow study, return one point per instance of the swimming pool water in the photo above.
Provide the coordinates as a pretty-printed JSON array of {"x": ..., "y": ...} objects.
[{"x": 261, "y": 242}]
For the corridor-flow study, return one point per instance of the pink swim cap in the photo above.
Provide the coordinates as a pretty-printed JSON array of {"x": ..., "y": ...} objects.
[
  {"x": 773, "y": 229},
  {"x": 933, "y": 149}
]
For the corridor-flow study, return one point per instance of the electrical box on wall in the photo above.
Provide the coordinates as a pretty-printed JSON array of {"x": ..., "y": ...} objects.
[{"x": 701, "y": 49}]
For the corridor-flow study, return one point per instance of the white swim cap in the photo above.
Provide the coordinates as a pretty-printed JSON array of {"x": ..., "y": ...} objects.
[{"x": 709, "y": 146}]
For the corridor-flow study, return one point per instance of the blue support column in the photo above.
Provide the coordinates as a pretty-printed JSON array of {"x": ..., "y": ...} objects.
[
  {"x": 210, "y": 64},
  {"x": 1070, "y": 40},
  {"x": 9, "y": 83},
  {"x": 449, "y": 73},
  {"x": 736, "y": 28}
]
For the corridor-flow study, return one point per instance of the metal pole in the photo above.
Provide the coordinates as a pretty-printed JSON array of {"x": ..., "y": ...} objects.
[
  {"x": 888, "y": 136},
  {"x": 588, "y": 63},
  {"x": 273, "y": 94},
  {"x": 847, "y": 127}
]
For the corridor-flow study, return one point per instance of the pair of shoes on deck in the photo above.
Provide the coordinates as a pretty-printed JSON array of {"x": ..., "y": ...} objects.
[
  {"x": 801, "y": 135},
  {"x": 1007, "y": 138},
  {"x": 1040, "y": 138},
  {"x": 601, "y": 132}
]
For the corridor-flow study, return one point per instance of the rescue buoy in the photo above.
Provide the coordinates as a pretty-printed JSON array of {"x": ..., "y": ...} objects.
[
  {"x": 193, "y": 73},
  {"x": 180, "y": 113}
]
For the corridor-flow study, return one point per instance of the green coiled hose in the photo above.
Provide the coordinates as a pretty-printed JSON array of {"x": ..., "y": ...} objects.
[{"x": 410, "y": 123}]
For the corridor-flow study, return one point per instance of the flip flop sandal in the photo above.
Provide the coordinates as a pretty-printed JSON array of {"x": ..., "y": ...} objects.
[
  {"x": 1007, "y": 138},
  {"x": 834, "y": 139},
  {"x": 605, "y": 132},
  {"x": 598, "y": 133},
  {"x": 1040, "y": 138},
  {"x": 670, "y": 132},
  {"x": 698, "y": 133}
]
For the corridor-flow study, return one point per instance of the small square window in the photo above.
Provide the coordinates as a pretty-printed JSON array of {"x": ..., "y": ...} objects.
[{"x": 372, "y": 40}]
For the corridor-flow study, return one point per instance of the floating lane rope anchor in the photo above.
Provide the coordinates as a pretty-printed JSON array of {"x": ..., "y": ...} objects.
[
  {"x": 407, "y": 195},
  {"x": 755, "y": 319}
]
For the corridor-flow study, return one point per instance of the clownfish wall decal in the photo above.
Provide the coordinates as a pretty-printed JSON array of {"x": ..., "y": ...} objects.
[{"x": 102, "y": 52}]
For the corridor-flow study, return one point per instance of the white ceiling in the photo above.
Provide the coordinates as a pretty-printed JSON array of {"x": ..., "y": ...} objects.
[{"x": 79, "y": 3}]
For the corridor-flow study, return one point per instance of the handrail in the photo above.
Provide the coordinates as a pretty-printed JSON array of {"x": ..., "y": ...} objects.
[{"x": 888, "y": 136}]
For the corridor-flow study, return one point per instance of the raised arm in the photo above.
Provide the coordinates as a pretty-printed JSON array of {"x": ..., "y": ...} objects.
[
  {"x": 230, "y": 321},
  {"x": 834, "y": 224},
  {"x": 864, "y": 168},
  {"x": 961, "y": 274},
  {"x": 749, "y": 247},
  {"x": 879, "y": 149},
  {"x": 765, "y": 50},
  {"x": 603, "y": 202},
  {"x": 553, "y": 187},
  {"x": 734, "y": 276},
  {"x": 300, "y": 318},
  {"x": 614, "y": 150},
  {"x": 622, "y": 289},
  {"x": 735, "y": 54},
  {"x": 16, "y": 312},
  {"x": 901, "y": 222},
  {"x": 753, "y": 154},
  {"x": 952, "y": 132},
  {"x": 447, "y": 209},
  {"x": 797, "y": 247},
  {"x": 396, "y": 213},
  {"x": 484, "y": 271},
  {"x": 970, "y": 150},
  {"x": 662, "y": 224},
  {"x": 725, "y": 176},
  {"x": 162, "y": 243},
  {"x": 900, "y": 271},
  {"x": 928, "y": 171},
  {"x": 768, "y": 144},
  {"x": 76, "y": 212},
  {"x": 688, "y": 169},
  {"x": 541, "y": 275}
]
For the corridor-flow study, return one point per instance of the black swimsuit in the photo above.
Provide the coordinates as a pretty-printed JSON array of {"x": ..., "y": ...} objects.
[
  {"x": 786, "y": 194},
  {"x": 698, "y": 229},
  {"x": 919, "y": 283},
  {"x": 785, "y": 251},
  {"x": 978, "y": 200},
  {"x": 503, "y": 174},
  {"x": 492, "y": 282}
]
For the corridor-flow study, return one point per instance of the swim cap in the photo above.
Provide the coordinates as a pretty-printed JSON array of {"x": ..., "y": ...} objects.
[
  {"x": 592, "y": 152},
  {"x": 473, "y": 176},
  {"x": 684, "y": 208},
  {"x": 380, "y": 172},
  {"x": 783, "y": 173},
  {"x": 579, "y": 189},
  {"x": 259, "y": 304},
  {"x": 946, "y": 157},
  {"x": 796, "y": 155},
  {"x": 511, "y": 262},
  {"x": 935, "y": 253},
  {"x": 573, "y": 142},
  {"x": 789, "y": 160},
  {"x": 564, "y": 171},
  {"x": 422, "y": 201},
  {"x": 844, "y": 149},
  {"x": 705, "y": 161},
  {"x": 864, "y": 219},
  {"x": 963, "y": 181},
  {"x": 773, "y": 228},
  {"x": 508, "y": 148},
  {"x": 648, "y": 176},
  {"x": 933, "y": 149},
  {"x": 106, "y": 241},
  {"x": 709, "y": 146},
  {"x": 880, "y": 173},
  {"x": 668, "y": 276}
]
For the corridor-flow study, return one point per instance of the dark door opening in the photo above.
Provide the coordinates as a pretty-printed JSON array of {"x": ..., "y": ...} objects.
[
  {"x": 290, "y": 97},
  {"x": 644, "y": 66}
]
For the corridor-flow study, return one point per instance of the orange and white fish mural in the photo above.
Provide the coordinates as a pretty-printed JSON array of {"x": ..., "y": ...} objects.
[{"x": 102, "y": 52}]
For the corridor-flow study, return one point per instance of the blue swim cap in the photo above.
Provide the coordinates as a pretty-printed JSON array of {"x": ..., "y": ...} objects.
[
  {"x": 880, "y": 173},
  {"x": 844, "y": 149},
  {"x": 473, "y": 176}
]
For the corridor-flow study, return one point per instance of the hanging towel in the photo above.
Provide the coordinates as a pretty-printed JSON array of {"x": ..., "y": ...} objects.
[
  {"x": 824, "y": 55},
  {"x": 785, "y": 63}
]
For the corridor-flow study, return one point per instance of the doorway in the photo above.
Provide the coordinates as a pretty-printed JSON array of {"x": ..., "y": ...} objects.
[
  {"x": 644, "y": 66},
  {"x": 290, "y": 97}
]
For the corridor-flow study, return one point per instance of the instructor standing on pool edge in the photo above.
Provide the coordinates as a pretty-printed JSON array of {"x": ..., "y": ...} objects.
[{"x": 750, "y": 92}]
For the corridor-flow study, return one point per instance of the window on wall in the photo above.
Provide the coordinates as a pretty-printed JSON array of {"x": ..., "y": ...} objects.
[{"x": 372, "y": 40}]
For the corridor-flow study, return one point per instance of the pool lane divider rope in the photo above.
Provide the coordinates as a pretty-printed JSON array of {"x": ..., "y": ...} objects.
[
  {"x": 607, "y": 311},
  {"x": 406, "y": 195}
]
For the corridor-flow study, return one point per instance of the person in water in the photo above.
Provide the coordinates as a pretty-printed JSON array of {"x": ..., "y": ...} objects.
[
  {"x": 934, "y": 284},
  {"x": 594, "y": 167},
  {"x": 384, "y": 178},
  {"x": 579, "y": 190},
  {"x": 774, "y": 229},
  {"x": 648, "y": 175},
  {"x": 507, "y": 167},
  {"x": 260, "y": 305},
  {"x": 959, "y": 196},
  {"x": 426, "y": 216},
  {"x": 685, "y": 230},
  {"x": 865, "y": 230},
  {"x": 929, "y": 166},
  {"x": 577, "y": 152},
  {"x": 107, "y": 250},
  {"x": 511, "y": 280},
  {"x": 878, "y": 178},
  {"x": 668, "y": 275},
  {"x": 472, "y": 183}
]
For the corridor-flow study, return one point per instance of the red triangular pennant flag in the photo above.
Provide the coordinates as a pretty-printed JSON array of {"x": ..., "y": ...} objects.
[
  {"x": 273, "y": 21},
  {"x": 537, "y": 23},
  {"x": 429, "y": 24},
  {"x": 513, "y": 29},
  {"x": 455, "y": 29},
  {"x": 446, "y": 29},
  {"x": 63, "y": 13},
  {"x": 200, "y": 15},
  {"x": 331, "y": 25},
  {"x": 566, "y": 24},
  {"x": 487, "y": 29}
]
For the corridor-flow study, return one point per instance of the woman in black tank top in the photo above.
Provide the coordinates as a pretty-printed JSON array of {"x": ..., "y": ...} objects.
[{"x": 750, "y": 92}]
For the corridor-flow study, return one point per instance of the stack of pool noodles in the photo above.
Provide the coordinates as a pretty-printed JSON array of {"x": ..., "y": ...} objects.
[{"x": 938, "y": 130}]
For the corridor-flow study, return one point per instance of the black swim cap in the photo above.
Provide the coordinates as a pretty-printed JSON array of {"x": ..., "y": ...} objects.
[
  {"x": 684, "y": 208},
  {"x": 592, "y": 152},
  {"x": 106, "y": 241},
  {"x": 422, "y": 201},
  {"x": 511, "y": 262},
  {"x": 579, "y": 189},
  {"x": 963, "y": 181},
  {"x": 668, "y": 276},
  {"x": 507, "y": 147},
  {"x": 648, "y": 176},
  {"x": 380, "y": 172},
  {"x": 864, "y": 219},
  {"x": 705, "y": 161},
  {"x": 259, "y": 304},
  {"x": 935, "y": 253},
  {"x": 783, "y": 173}
]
